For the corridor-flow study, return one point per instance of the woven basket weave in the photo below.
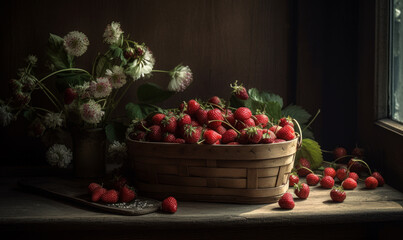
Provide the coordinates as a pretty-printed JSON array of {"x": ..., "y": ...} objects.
[{"x": 255, "y": 173}]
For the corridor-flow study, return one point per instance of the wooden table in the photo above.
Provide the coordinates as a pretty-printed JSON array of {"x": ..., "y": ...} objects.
[{"x": 365, "y": 214}]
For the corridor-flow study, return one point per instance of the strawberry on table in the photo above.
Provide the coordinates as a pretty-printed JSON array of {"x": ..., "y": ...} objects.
[
  {"x": 327, "y": 182},
  {"x": 371, "y": 182},
  {"x": 302, "y": 166},
  {"x": 341, "y": 173},
  {"x": 169, "y": 205},
  {"x": 286, "y": 201},
  {"x": 312, "y": 179},
  {"x": 378, "y": 177},
  {"x": 127, "y": 194},
  {"x": 110, "y": 196},
  {"x": 92, "y": 187},
  {"x": 329, "y": 171},
  {"x": 293, "y": 179},
  {"x": 349, "y": 184},
  {"x": 97, "y": 194},
  {"x": 301, "y": 190},
  {"x": 337, "y": 194}
]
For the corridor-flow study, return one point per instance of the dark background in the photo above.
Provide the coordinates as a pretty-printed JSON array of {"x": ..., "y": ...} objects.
[{"x": 311, "y": 53}]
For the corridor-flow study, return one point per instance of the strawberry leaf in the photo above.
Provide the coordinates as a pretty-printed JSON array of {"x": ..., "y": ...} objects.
[
  {"x": 310, "y": 150},
  {"x": 296, "y": 112}
]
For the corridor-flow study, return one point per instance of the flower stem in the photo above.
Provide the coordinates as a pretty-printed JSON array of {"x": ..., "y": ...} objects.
[
  {"x": 160, "y": 71},
  {"x": 313, "y": 119},
  {"x": 64, "y": 70}
]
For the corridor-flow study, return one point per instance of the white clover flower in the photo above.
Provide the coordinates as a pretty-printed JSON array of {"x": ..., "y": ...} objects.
[
  {"x": 83, "y": 91},
  {"x": 32, "y": 59},
  {"x": 181, "y": 78},
  {"x": 112, "y": 33},
  {"x": 76, "y": 43},
  {"x": 116, "y": 76},
  {"x": 53, "y": 120},
  {"x": 101, "y": 87},
  {"x": 117, "y": 151},
  {"x": 59, "y": 155},
  {"x": 91, "y": 112},
  {"x": 141, "y": 66},
  {"x": 5, "y": 115}
]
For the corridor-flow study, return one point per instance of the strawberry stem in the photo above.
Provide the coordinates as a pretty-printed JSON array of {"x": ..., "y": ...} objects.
[
  {"x": 337, "y": 159},
  {"x": 361, "y": 161},
  {"x": 226, "y": 122},
  {"x": 313, "y": 119}
]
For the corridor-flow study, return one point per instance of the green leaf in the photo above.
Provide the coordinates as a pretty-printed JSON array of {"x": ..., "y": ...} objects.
[
  {"x": 56, "y": 53},
  {"x": 140, "y": 111},
  {"x": 115, "y": 132},
  {"x": 298, "y": 113},
  {"x": 256, "y": 95},
  {"x": 311, "y": 150},
  {"x": 152, "y": 93},
  {"x": 101, "y": 65},
  {"x": 67, "y": 79}
]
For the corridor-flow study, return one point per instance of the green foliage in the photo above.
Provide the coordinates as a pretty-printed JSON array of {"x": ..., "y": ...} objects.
[
  {"x": 56, "y": 53},
  {"x": 140, "y": 111},
  {"x": 152, "y": 93},
  {"x": 311, "y": 150},
  {"x": 115, "y": 131},
  {"x": 67, "y": 79}
]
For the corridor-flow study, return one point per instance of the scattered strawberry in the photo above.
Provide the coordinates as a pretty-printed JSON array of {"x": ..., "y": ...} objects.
[
  {"x": 287, "y": 133},
  {"x": 169, "y": 205},
  {"x": 349, "y": 184},
  {"x": 211, "y": 136},
  {"x": 215, "y": 118},
  {"x": 93, "y": 186},
  {"x": 286, "y": 121},
  {"x": 338, "y": 194},
  {"x": 301, "y": 166},
  {"x": 327, "y": 182},
  {"x": 286, "y": 201},
  {"x": 293, "y": 179},
  {"x": 371, "y": 182},
  {"x": 329, "y": 171},
  {"x": 242, "y": 113},
  {"x": 353, "y": 175},
  {"x": 110, "y": 196},
  {"x": 127, "y": 194},
  {"x": 355, "y": 166},
  {"x": 312, "y": 179},
  {"x": 339, "y": 152},
  {"x": 97, "y": 193},
  {"x": 378, "y": 177},
  {"x": 341, "y": 173},
  {"x": 301, "y": 190},
  {"x": 229, "y": 136}
]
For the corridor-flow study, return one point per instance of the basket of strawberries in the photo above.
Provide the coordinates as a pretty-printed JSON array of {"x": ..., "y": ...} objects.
[{"x": 209, "y": 151}]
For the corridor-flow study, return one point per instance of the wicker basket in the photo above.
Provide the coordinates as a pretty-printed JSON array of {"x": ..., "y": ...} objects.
[{"x": 256, "y": 173}]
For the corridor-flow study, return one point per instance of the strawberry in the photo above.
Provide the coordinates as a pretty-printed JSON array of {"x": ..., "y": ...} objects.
[
  {"x": 201, "y": 116},
  {"x": 233, "y": 143},
  {"x": 180, "y": 140},
  {"x": 242, "y": 113},
  {"x": 378, "y": 177},
  {"x": 155, "y": 133},
  {"x": 239, "y": 91},
  {"x": 211, "y": 136},
  {"x": 110, "y": 196},
  {"x": 119, "y": 182},
  {"x": 97, "y": 194},
  {"x": 169, "y": 138},
  {"x": 169, "y": 205},
  {"x": 168, "y": 124},
  {"x": 183, "y": 119},
  {"x": 312, "y": 179},
  {"x": 229, "y": 116},
  {"x": 286, "y": 201},
  {"x": 358, "y": 152},
  {"x": 93, "y": 186},
  {"x": 275, "y": 128},
  {"x": 69, "y": 96},
  {"x": 214, "y": 117},
  {"x": 329, "y": 171},
  {"x": 157, "y": 118},
  {"x": 301, "y": 190},
  {"x": 337, "y": 194},
  {"x": 293, "y": 179},
  {"x": 138, "y": 135},
  {"x": 192, "y": 107},
  {"x": 254, "y": 134},
  {"x": 127, "y": 194},
  {"x": 303, "y": 162},
  {"x": 192, "y": 134},
  {"x": 353, "y": 175},
  {"x": 355, "y": 166},
  {"x": 215, "y": 100},
  {"x": 341, "y": 173},
  {"x": 349, "y": 184},
  {"x": 287, "y": 133},
  {"x": 371, "y": 182},
  {"x": 229, "y": 136},
  {"x": 339, "y": 152},
  {"x": 268, "y": 137},
  {"x": 221, "y": 129},
  {"x": 261, "y": 120},
  {"x": 243, "y": 137},
  {"x": 327, "y": 182},
  {"x": 286, "y": 121}
]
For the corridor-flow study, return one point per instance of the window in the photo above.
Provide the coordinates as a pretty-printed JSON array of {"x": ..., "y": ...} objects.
[{"x": 396, "y": 68}]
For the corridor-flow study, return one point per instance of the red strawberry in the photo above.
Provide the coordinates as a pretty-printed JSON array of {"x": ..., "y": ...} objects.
[
  {"x": 221, "y": 129},
  {"x": 192, "y": 134},
  {"x": 192, "y": 107},
  {"x": 341, "y": 173},
  {"x": 201, "y": 116},
  {"x": 157, "y": 118},
  {"x": 287, "y": 133},
  {"x": 243, "y": 137},
  {"x": 275, "y": 128},
  {"x": 215, "y": 117},
  {"x": 69, "y": 96},
  {"x": 293, "y": 179},
  {"x": 268, "y": 137},
  {"x": 110, "y": 196},
  {"x": 358, "y": 152},
  {"x": 127, "y": 194},
  {"x": 215, "y": 100},
  {"x": 353, "y": 175},
  {"x": 254, "y": 134},
  {"x": 349, "y": 184},
  {"x": 184, "y": 119},
  {"x": 378, "y": 177},
  {"x": 338, "y": 194},
  {"x": 356, "y": 166},
  {"x": 327, "y": 182},
  {"x": 261, "y": 120},
  {"x": 169, "y": 138},
  {"x": 169, "y": 205},
  {"x": 302, "y": 190},
  {"x": 286, "y": 121},
  {"x": 229, "y": 116},
  {"x": 339, "y": 152},
  {"x": 180, "y": 141},
  {"x": 329, "y": 171},
  {"x": 303, "y": 162},
  {"x": 97, "y": 194},
  {"x": 168, "y": 124},
  {"x": 312, "y": 179},
  {"x": 371, "y": 182},
  {"x": 286, "y": 201},
  {"x": 211, "y": 136},
  {"x": 93, "y": 186},
  {"x": 233, "y": 143},
  {"x": 239, "y": 91},
  {"x": 119, "y": 182},
  {"x": 242, "y": 113},
  {"x": 138, "y": 135},
  {"x": 229, "y": 136},
  {"x": 155, "y": 133}
]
